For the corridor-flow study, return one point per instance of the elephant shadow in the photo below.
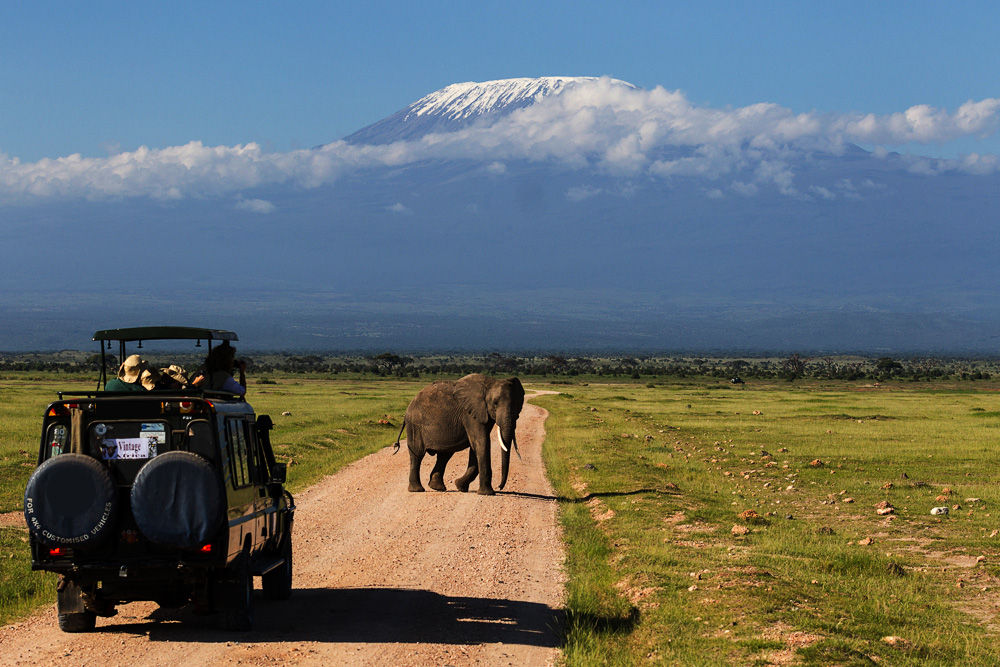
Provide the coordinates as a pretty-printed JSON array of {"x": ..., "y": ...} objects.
[
  {"x": 589, "y": 496},
  {"x": 368, "y": 615}
]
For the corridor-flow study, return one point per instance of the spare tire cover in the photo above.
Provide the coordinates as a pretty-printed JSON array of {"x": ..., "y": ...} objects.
[
  {"x": 70, "y": 500},
  {"x": 177, "y": 500}
]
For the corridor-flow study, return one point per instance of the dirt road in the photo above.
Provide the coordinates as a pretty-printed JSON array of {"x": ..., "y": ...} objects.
[{"x": 382, "y": 577}]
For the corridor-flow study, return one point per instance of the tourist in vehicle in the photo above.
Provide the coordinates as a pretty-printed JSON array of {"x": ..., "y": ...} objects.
[
  {"x": 218, "y": 373},
  {"x": 151, "y": 379},
  {"x": 172, "y": 378},
  {"x": 129, "y": 375}
]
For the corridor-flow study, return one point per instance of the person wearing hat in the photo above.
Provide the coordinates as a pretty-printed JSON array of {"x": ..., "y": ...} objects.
[
  {"x": 172, "y": 377},
  {"x": 151, "y": 379},
  {"x": 129, "y": 375},
  {"x": 218, "y": 373}
]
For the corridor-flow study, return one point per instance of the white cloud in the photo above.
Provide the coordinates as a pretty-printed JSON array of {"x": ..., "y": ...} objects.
[
  {"x": 630, "y": 132},
  {"x": 400, "y": 208},
  {"x": 745, "y": 189},
  {"x": 822, "y": 192},
  {"x": 922, "y": 124},
  {"x": 255, "y": 205}
]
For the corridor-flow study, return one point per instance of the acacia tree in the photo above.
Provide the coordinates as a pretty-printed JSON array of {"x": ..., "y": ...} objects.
[{"x": 794, "y": 367}]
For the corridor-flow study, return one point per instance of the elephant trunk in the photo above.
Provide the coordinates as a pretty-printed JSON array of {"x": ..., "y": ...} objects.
[
  {"x": 505, "y": 462},
  {"x": 507, "y": 438}
]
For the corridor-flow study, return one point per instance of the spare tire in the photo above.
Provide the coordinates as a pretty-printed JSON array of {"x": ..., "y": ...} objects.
[
  {"x": 178, "y": 501},
  {"x": 70, "y": 500}
]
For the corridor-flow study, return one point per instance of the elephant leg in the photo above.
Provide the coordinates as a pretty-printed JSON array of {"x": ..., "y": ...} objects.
[
  {"x": 481, "y": 446},
  {"x": 437, "y": 474},
  {"x": 416, "y": 447},
  {"x": 462, "y": 483}
]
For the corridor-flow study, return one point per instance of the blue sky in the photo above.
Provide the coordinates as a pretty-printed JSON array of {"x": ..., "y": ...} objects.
[{"x": 98, "y": 78}]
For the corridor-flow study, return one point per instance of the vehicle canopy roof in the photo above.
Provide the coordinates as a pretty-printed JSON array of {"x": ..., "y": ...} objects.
[{"x": 164, "y": 333}]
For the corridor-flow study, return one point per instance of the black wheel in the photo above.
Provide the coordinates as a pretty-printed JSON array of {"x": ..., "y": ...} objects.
[
  {"x": 169, "y": 517},
  {"x": 70, "y": 608},
  {"x": 80, "y": 621},
  {"x": 70, "y": 500},
  {"x": 278, "y": 582},
  {"x": 237, "y": 597}
]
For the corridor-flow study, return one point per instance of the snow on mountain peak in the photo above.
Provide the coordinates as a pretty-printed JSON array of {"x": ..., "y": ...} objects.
[
  {"x": 464, "y": 100},
  {"x": 460, "y": 104}
]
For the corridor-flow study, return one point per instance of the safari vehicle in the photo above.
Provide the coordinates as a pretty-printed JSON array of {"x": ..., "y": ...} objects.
[{"x": 166, "y": 495}]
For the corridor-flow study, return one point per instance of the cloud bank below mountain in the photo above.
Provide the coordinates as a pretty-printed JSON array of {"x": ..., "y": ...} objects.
[{"x": 602, "y": 124}]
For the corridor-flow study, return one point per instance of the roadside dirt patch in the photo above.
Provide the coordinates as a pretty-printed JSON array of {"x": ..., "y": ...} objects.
[
  {"x": 12, "y": 520},
  {"x": 382, "y": 577},
  {"x": 979, "y": 591},
  {"x": 599, "y": 511},
  {"x": 793, "y": 640}
]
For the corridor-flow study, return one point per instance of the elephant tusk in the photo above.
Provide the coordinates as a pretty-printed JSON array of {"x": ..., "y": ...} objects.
[{"x": 503, "y": 446}]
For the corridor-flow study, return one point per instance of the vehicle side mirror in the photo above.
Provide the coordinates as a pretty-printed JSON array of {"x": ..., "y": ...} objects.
[
  {"x": 264, "y": 423},
  {"x": 279, "y": 471}
]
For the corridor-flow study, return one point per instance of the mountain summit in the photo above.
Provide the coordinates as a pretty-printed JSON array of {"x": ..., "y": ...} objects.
[{"x": 461, "y": 104}]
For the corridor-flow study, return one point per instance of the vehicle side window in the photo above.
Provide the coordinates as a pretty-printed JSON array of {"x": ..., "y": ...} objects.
[
  {"x": 258, "y": 467},
  {"x": 238, "y": 455}
]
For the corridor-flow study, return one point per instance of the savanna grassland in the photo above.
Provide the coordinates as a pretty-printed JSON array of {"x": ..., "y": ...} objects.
[
  {"x": 705, "y": 523},
  {"x": 708, "y": 524}
]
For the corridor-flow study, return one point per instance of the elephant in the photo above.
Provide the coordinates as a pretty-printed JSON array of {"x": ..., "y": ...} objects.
[{"x": 447, "y": 416}]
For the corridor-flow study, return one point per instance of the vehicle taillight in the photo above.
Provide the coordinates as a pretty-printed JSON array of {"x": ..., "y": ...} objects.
[
  {"x": 207, "y": 549},
  {"x": 58, "y": 551},
  {"x": 185, "y": 407},
  {"x": 57, "y": 410}
]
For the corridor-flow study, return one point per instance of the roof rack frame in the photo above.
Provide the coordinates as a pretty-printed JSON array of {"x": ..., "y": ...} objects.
[{"x": 140, "y": 334}]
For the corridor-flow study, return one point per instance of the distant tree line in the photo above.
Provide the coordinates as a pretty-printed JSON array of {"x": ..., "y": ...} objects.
[{"x": 390, "y": 364}]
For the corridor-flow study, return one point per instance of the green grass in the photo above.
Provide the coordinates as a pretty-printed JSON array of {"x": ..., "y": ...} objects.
[
  {"x": 21, "y": 590},
  {"x": 652, "y": 480},
  {"x": 685, "y": 589}
]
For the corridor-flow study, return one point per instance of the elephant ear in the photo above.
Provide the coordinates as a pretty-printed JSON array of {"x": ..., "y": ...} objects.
[
  {"x": 471, "y": 394},
  {"x": 517, "y": 392}
]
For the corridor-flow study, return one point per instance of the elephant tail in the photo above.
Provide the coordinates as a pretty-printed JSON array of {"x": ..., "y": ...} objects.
[{"x": 395, "y": 445}]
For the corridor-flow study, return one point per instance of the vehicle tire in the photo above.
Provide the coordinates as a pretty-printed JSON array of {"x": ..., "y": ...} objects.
[
  {"x": 71, "y": 610},
  {"x": 237, "y": 597},
  {"x": 177, "y": 500},
  {"x": 70, "y": 500},
  {"x": 81, "y": 621},
  {"x": 277, "y": 583}
]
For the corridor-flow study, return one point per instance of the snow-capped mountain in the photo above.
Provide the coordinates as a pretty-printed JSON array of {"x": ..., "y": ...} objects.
[
  {"x": 461, "y": 104},
  {"x": 572, "y": 213}
]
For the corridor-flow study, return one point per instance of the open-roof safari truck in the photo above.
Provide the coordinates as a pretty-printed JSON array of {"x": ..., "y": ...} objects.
[{"x": 166, "y": 495}]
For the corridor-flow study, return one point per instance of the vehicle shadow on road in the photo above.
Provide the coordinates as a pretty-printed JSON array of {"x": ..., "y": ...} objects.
[{"x": 368, "y": 615}]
